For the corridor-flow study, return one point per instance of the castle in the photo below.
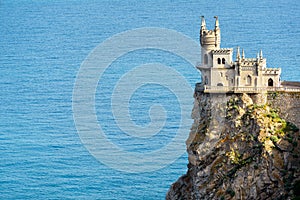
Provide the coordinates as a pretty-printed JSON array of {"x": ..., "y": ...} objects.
[{"x": 220, "y": 74}]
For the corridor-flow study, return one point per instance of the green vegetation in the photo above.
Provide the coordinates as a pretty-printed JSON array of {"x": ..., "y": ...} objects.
[
  {"x": 290, "y": 127},
  {"x": 230, "y": 192},
  {"x": 274, "y": 95},
  {"x": 274, "y": 138},
  {"x": 273, "y": 114}
]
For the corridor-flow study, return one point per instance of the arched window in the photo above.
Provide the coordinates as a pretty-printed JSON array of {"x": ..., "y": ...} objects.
[
  {"x": 219, "y": 60},
  {"x": 248, "y": 80},
  {"x": 220, "y": 84},
  {"x": 270, "y": 82},
  {"x": 223, "y": 60},
  {"x": 205, "y": 59}
]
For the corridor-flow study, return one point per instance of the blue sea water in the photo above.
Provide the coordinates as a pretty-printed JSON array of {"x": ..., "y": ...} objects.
[{"x": 42, "y": 46}]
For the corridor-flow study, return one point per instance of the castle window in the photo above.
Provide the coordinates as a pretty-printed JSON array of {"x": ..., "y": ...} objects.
[
  {"x": 248, "y": 80},
  {"x": 219, "y": 61},
  {"x": 223, "y": 60},
  {"x": 270, "y": 82},
  {"x": 205, "y": 80},
  {"x": 205, "y": 59}
]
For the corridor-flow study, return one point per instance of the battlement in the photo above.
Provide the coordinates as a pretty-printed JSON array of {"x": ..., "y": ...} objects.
[
  {"x": 269, "y": 71},
  {"x": 248, "y": 62},
  {"x": 222, "y": 51},
  {"x": 210, "y": 39}
]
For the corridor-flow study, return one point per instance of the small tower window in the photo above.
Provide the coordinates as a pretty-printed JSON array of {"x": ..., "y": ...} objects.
[
  {"x": 223, "y": 60},
  {"x": 219, "y": 61},
  {"x": 270, "y": 82},
  {"x": 248, "y": 80},
  {"x": 205, "y": 59}
]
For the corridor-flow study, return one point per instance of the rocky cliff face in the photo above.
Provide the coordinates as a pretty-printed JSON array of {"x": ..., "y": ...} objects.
[{"x": 242, "y": 147}]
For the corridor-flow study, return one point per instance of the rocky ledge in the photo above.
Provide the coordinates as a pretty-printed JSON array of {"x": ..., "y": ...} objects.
[{"x": 242, "y": 146}]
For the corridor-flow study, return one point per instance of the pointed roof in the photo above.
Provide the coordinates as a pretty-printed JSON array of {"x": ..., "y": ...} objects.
[
  {"x": 203, "y": 24},
  {"x": 243, "y": 54},
  {"x": 238, "y": 53},
  {"x": 217, "y": 22}
]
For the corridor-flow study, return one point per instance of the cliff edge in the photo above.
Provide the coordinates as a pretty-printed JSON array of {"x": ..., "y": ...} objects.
[{"x": 242, "y": 146}]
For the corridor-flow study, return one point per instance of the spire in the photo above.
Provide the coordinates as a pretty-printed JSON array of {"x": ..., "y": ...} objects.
[
  {"x": 243, "y": 54},
  {"x": 203, "y": 24},
  {"x": 261, "y": 54},
  {"x": 238, "y": 53},
  {"x": 257, "y": 56},
  {"x": 217, "y": 22}
]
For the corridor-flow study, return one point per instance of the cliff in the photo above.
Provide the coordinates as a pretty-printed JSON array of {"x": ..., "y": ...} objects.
[{"x": 242, "y": 146}]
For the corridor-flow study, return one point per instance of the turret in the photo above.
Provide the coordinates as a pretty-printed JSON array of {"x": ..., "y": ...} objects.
[
  {"x": 243, "y": 54},
  {"x": 210, "y": 39},
  {"x": 238, "y": 55},
  {"x": 216, "y": 23},
  {"x": 261, "y": 55}
]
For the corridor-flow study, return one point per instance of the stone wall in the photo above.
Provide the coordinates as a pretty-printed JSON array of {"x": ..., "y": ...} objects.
[{"x": 288, "y": 105}]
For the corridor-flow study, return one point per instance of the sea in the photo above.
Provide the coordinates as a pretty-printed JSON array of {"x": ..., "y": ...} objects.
[{"x": 111, "y": 132}]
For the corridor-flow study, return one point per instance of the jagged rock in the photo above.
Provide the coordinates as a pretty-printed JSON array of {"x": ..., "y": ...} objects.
[{"x": 240, "y": 147}]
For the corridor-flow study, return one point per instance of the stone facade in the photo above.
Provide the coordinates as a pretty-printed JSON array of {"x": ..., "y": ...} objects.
[{"x": 221, "y": 74}]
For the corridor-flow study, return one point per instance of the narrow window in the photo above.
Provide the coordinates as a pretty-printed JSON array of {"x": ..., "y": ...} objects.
[
  {"x": 219, "y": 61},
  {"x": 270, "y": 82},
  {"x": 248, "y": 80},
  {"x": 205, "y": 59},
  {"x": 223, "y": 60},
  {"x": 205, "y": 80}
]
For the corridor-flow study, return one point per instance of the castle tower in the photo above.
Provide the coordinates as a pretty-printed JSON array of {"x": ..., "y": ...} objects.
[
  {"x": 215, "y": 60},
  {"x": 209, "y": 40}
]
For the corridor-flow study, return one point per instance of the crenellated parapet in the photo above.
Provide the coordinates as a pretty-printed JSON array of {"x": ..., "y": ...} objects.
[
  {"x": 222, "y": 51},
  {"x": 210, "y": 39},
  {"x": 271, "y": 71}
]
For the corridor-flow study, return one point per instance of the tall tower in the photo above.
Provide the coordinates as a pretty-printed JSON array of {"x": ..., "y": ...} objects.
[
  {"x": 216, "y": 65},
  {"x": 209, "y": 40}
]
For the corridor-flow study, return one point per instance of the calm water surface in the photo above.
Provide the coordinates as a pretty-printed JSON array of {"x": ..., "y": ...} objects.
[{"x": 42, "y": 46}]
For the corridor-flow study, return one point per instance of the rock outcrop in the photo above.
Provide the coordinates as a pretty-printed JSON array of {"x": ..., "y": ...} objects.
[{"x": 242, "y": 146}]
